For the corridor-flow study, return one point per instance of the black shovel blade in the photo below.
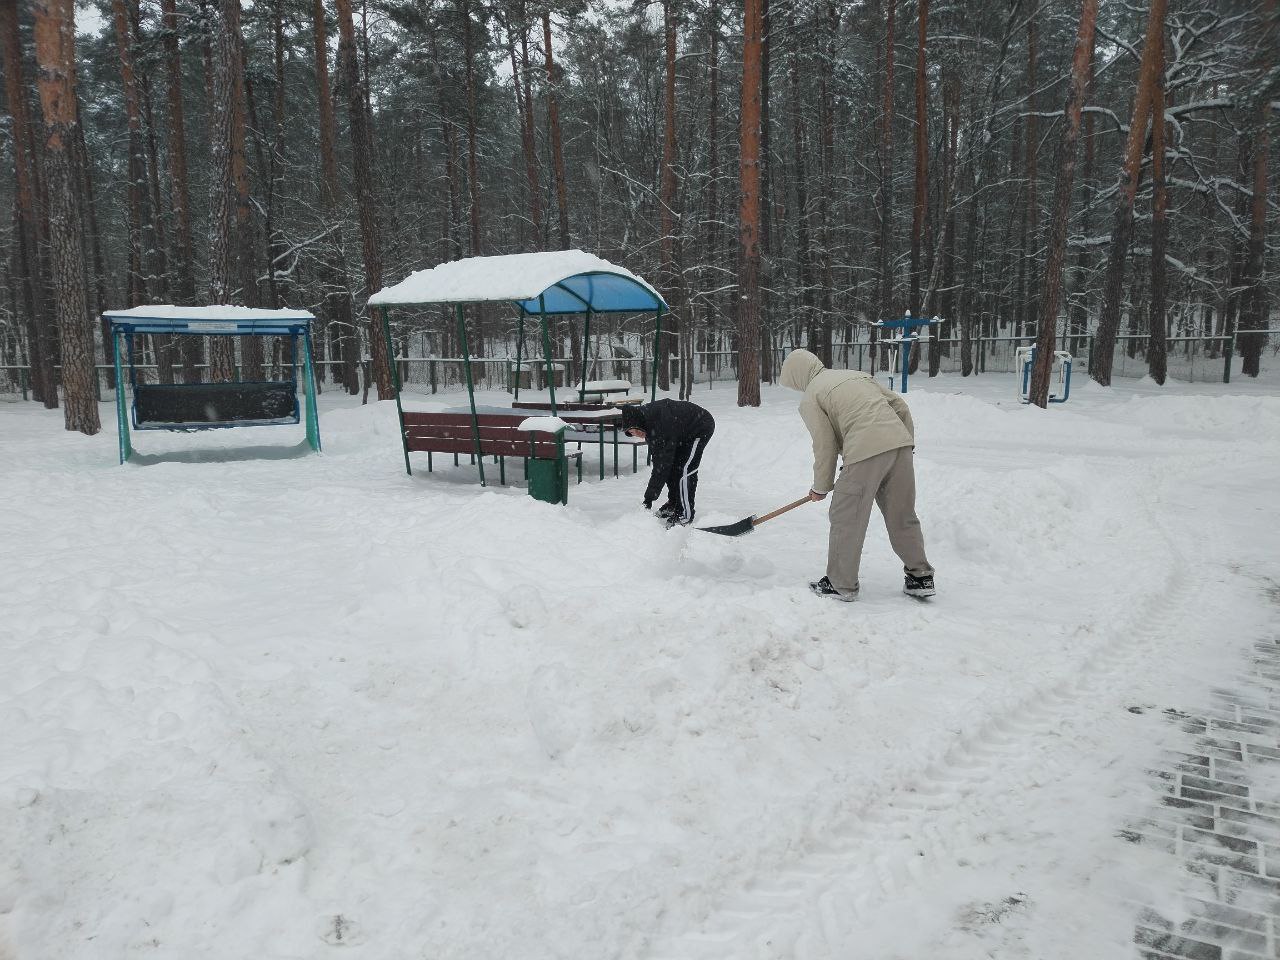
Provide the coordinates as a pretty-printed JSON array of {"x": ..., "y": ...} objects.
[{"x": 745, "y": 525}]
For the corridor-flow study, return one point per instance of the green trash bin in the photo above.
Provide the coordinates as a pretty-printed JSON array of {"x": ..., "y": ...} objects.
[{"x": 549, "y": 479}]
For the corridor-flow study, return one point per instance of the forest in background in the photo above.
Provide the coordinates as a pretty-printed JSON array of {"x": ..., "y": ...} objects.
[{"x": 784, "y": 172}]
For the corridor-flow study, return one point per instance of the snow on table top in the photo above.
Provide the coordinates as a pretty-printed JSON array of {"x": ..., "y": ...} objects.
[
  {"x": 514, "y": 277},
  {"x": 168, "y": 311},
  {"x": 598, "y": 386},
  {"x": 574, "y": 415},
  {"x": 542, "y": 424}
]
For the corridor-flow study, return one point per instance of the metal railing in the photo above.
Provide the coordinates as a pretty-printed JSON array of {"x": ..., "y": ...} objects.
[{"x": 1189, "y": 359}]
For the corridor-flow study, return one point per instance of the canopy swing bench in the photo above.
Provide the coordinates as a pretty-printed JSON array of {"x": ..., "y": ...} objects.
[
  {"x": 541, "y": 285},
  {"x": 187, "y": 407}
]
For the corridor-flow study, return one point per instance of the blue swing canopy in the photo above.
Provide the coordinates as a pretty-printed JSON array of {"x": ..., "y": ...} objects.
[{"x": 203, "y": 406}]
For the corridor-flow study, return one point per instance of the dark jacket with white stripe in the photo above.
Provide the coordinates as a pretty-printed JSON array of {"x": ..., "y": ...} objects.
[{"x": 669, "y": 426}]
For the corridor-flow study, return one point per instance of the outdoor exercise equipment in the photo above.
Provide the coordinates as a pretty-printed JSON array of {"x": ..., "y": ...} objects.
[
  {"x": 1025, "y": 358},
  {"x": 902, "y": 343},
  {"x": 547, "y": 284},
  {"x": 187, "y": 407}
]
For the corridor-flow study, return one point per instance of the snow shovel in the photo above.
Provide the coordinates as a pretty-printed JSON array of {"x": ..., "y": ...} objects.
[{"x": 747, "y": 524}]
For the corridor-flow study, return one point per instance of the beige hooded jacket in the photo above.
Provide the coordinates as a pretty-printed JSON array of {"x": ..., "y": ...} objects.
[{"x": 847, "y": 412}]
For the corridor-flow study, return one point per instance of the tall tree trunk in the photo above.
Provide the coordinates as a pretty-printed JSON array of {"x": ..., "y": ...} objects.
[
  {"x": 749, "y": 213},
  {"x": 951, "y": 118},
  {"x": 766, "y": 192},
  {"x": 1051, "y": 295},
  {"x": 671, "y": 279},
  {"x": 227, "y": 149},
  {"x": 245, "y": 118},
  {"x": 136, "y": 288},
  {"x": 55, "y": 33},
  {"x": 1253, "y": 314},
  {"x": 827, "y": 111},
  {"x": 31, "y": 239},
  {"x": 364, "y": 174},
  {"x": 711, "y": 258},
  {"x": 1080, "y": 309},
  {"x": 337, "y": 314},
  {"x": 967, "y": 292},
  {"x": 1122, "y": 230},
  {"x": 922, "y": 159},
  {"x": 1031, "y": 210},
  {"x": 920, "y": 204},
  {"x": 184, "y": 255},
  {"x": 557, "y": 167},
  {"x": 528, "y": 145},
  {"x": 886, "y": 190},
  {"x": 473, "y": 166},
  {"x": 89, "y": 217},
  {"x": 800, "y": 149},
  {"x": 155, "y": 233},
  {"x": 553, "y": 122},
  {"x": 1157, "y": 345}
]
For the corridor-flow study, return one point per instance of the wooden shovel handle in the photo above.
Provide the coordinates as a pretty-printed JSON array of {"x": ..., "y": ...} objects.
[{"x": 780, "y": 511}]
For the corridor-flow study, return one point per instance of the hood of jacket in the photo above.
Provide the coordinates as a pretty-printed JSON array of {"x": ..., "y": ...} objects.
[
  {"x": 634, "y": 416},
  {"x": 799, "y": 369}
]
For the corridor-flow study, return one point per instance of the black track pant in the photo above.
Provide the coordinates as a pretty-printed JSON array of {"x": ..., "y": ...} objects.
[{"x": 682, "y": 478}]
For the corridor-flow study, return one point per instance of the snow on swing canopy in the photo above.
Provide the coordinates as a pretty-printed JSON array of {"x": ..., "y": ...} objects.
[
  {"x": 223, "y": 318},
  {"x": 560, "y": 281}
]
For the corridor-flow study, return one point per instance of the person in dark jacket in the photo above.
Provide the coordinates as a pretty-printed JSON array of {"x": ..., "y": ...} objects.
[{"x": 677, "y": 432}]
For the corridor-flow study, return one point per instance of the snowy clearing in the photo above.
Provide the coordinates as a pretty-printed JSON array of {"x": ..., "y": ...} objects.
[{"x": 300, "y": 707}]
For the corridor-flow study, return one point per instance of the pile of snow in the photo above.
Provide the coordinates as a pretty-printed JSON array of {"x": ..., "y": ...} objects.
[{"x": 267, "y": 707}]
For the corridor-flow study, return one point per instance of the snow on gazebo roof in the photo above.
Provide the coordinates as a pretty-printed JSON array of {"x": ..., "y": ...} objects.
[
  {"x": 568, "y": 281},
  {"x": 220, "y": 318}
]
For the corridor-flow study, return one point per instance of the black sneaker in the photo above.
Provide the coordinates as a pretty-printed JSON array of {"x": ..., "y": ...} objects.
[
  {"x": 823, "y": 588},
  {"x": 667, "y": 511},
  {"x": 919, "y": 587},
  {"x": 676, "y": 519}
]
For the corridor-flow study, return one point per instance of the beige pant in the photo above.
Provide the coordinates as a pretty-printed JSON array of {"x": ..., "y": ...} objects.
[{"x": 889, "y": 480}]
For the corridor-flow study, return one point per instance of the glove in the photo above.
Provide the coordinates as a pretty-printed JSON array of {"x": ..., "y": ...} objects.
[{"x": 648, "y": 504}]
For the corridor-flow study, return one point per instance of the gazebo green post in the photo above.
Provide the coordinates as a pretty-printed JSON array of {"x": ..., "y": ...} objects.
[
  {"x": 122, "y": 413},
  {"x": 657, "y": 335},
  {"x": 395, "y": 379},
  {"x": 471, "y": 391},
  {"x": 586, "y": 354},
  {"x": 546, "y": 350},
  {"x": 520, "y": 351}
]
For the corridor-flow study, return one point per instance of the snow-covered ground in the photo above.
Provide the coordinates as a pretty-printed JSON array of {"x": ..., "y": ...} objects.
[{"x": 312, "y": 707}]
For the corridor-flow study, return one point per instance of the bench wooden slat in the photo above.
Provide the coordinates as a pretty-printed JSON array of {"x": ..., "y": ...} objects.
[
  {"x": 446, "y": 419},
  {"x": 488, "y": 448}
]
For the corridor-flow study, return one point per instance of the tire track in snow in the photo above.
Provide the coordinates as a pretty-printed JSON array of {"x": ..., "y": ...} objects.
[{"x": 813, "y": 908}]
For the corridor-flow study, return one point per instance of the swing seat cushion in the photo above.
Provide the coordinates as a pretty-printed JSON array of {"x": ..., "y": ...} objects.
[{"x": 201, "y": 405}]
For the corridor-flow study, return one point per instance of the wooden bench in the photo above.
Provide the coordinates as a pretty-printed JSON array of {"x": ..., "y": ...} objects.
[{"x": 433, "y": 433}]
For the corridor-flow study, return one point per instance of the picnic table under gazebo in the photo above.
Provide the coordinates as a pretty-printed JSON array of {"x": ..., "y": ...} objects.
[{"x": 541, "y": 285}]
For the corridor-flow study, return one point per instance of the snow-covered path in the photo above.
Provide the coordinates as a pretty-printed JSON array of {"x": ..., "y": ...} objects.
[{"x": 275, "y": 708}]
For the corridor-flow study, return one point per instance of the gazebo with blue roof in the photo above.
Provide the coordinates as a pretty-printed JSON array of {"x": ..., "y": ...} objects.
[{"x": 552, "y": 283}]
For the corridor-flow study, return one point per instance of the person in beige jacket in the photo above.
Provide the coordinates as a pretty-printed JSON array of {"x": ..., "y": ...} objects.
[{"x": 851, "y": 416}]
